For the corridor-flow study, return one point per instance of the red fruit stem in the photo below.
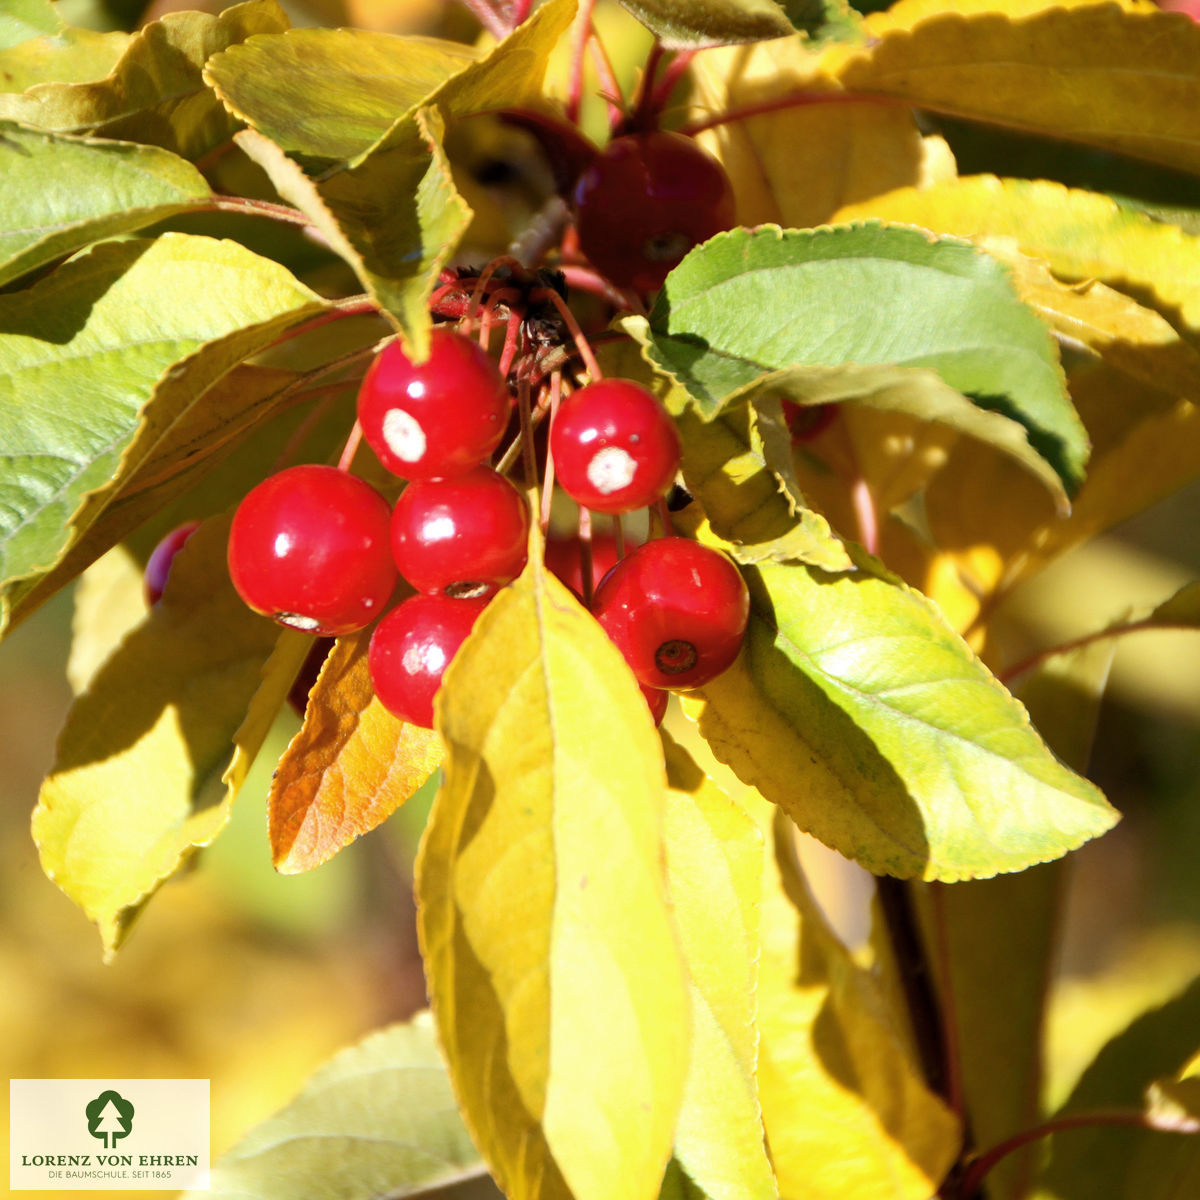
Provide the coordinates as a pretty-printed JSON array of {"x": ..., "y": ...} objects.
[
  {"x": 584, "y": 279},
  {"x": 579, "y": 37},
  {"x": 618, "y": 535},
  {"x": 519, "y": 13},
  {"x": 555, "y": 395},
  {"x": 864, "y": 511},
  {"x": 979, "y": 1167},
  {"x": 585, "y": 556},
  {"x": 642, "y": 118},
  {"x": 512, "y": 338},
  {"x": 350, "y": 448},
  {"x": 664, "y": 517},
  {"x": 528, "y": 454},
  {"x": 488, "y": 18},
  {"x": 672, "y": 73},
  {"x": 610, "y": 89},
  {"x": 351, "y": 306},
  {"x": 795, "y": 100},
  {"x": 581, "y": 343},
  {"x": 951, "y": 1051},
  {"x": 485, "y": 277}
]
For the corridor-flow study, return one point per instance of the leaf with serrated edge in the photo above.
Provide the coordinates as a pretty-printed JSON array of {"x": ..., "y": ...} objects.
[
  {"x": 713, "y": 23},
  {"x": 153, "y": 753},
  {"x": 858, "y": 711},
  {"x": 1123, "y": 81},
  {"x": 100, "y": 359},
  {"x": 68, "y": 191},
  {"x": 751, "y": 302},
  {"x": 365, "y": 79},
  {"x": 349, "y": 768},
  {"x": 568, "y": 1043},
  {"x": 714, "y": 869},
  {"x": 154, "y": 92},
  {"x": 847, "y": 1112},
  {"x": 376, "y": 1119}
]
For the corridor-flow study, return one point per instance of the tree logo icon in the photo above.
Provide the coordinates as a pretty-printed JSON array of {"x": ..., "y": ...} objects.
[{"x": 109, "y": 1117}]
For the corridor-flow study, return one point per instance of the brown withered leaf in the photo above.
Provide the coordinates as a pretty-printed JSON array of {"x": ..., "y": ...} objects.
[{"x": 348, "y": 769}]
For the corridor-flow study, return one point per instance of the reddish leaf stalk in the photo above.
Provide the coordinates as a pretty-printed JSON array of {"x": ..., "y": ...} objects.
[
  {"x": 487, "y": 16},
  {"x": 781, "y": 104},
  {"x": 555, "y": 395},
  {"x": 672, "y": 73},
  {"x": 581, "y": 32},
  {"x": 257, "y": 208}
]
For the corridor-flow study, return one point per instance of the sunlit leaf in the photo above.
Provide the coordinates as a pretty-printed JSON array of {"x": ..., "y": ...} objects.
[
  {"x": 681, "y": 25},
  {"x": 714, "y": 868},
  {"x": 848, "y": 1115},
  {"x": 378, "y": 1119},
  {"x": 110, "y": 602},
  {"x": 1092, "y": 73},
  {"x": 66, "y": 192},
  {"x": 366, "y": 80},
  {"x": 349, "y": 768},
  {"x": 153, "y": 92},
  {"x": 24, "y": 19},
  {"x": 749, "y": 303},
  {"x": 101, "y": 358},
  {"x": 37, "y": 47},
  {"x": 1176, "y": 1101},
  {"x": 1081, "y": 235},
  {"x": 153, "y": 753},
  {"x": 550, "y": 958},
  {"x": 858, "y": 711}
]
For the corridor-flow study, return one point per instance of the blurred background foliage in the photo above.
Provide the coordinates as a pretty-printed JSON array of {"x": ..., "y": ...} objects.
[{"x": 252, "y": 979}]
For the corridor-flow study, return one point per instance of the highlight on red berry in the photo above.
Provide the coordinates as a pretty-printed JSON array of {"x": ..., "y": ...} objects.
[
  {"x": 615, "y": 447},
  {"x": 645, "y": 201},
  {"x": 412, "y": 647},
  {"x": 464, "y": 536},
  {"x": 438, "y": 418},
  {"x": 677, "y": 611},
  {"x": 310, "y": 548}
]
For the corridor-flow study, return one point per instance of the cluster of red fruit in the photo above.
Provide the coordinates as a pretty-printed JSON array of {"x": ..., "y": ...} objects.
[{"x": 319, "y": 549}]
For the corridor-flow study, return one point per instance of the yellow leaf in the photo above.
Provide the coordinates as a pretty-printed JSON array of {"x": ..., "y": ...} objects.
[
  {"x": 550, "y": 956},
  {"x": 797, "y": 166},
  {"x": 349, "y": 768},
  {"x": 1127, "y": 81},
  {"x": 109, "y": 603},
  {"x": 847, "y": 1113},
  {"x": 715, "y": 868},
  {"x": 1081, "y": 235},
  {"x": 153, "y": 753}
]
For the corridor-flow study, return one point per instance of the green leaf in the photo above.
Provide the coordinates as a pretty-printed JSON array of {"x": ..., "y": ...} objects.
[
  {"x": 378, "y": 1119},
  {"x": 714, "y": 869},
  {"x": 24, "y": 19},
  {"x": 100, "y": 359},
  {"x": 36, "y": 47},
  {"x": 154, "y": 751},
  {"x": 857, "y": 710},
  {"x": 542, "y": 906},
  {"x": 1123, "y": 81},
  {"x": 681, "y": 25},
  {"x": 67, "y": 192},
  {"x": 749, "y": 303},
  {"x": 366, "y": 80},
  {"x": 847, "y": 1112},
  {"x": 154, "y": 92}
]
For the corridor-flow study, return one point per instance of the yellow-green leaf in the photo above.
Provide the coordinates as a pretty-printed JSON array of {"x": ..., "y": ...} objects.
[
  {"x": 848, "y": 1116},
  {"x": 350, "y": 767},
  {"x": 555, "y": 976},
  {"x": 154, "y": 751},
  {"x": 1093, "y": 73},
  {"x": 59, "y": 54},
  {"x": 715, "y": 867}
]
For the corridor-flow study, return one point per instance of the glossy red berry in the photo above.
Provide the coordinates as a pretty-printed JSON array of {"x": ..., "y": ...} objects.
[
  {"x": 464, "y": 536},
  {"x": 615, "y": 447},
  {"x": 645, "y": 201},
  {"x": 310, "y": 548},
  {"x": 412, "y": 647},
  {"x": 158, "y": 565},
  {"x": 438, "y": 418},
  {"x": 564, "y": 558},
  {"x": 676, "y": 610}
]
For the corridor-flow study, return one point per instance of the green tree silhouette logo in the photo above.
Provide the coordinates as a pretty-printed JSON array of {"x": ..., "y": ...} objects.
[{"x": 109, "y": 1117}]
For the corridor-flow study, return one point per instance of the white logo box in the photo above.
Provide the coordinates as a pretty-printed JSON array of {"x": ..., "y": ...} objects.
[{"x": 108, "y": 1134}]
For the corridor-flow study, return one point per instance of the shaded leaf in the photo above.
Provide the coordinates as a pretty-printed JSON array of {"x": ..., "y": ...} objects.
[
  {"x": 154, "y": 751},
  {"x": 555, "y": 977},
  {"x": 1082, "y": 236},
  {"x": 154, "y": 92},
  {"x": 681, "y": 25},
  {"x": 100, "y": 359},
  {"x": 378, "y": 1119},
  {"x": 1181, "y": 609},
  {"x": 109, "y": 603},
  {"x": 69, "y": 191},
  {"x": 1091, "y": 73},
  {"x": 857, "y": 710},
  {"x": 350, "y": 767},
  {"x": 714, "y": 870},
  {"x": 37, "y": 47},
  {"x": 847, "y": 1113},
  {"x": 366, "y": 80},
  {"x": 749, "y": 303}
]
